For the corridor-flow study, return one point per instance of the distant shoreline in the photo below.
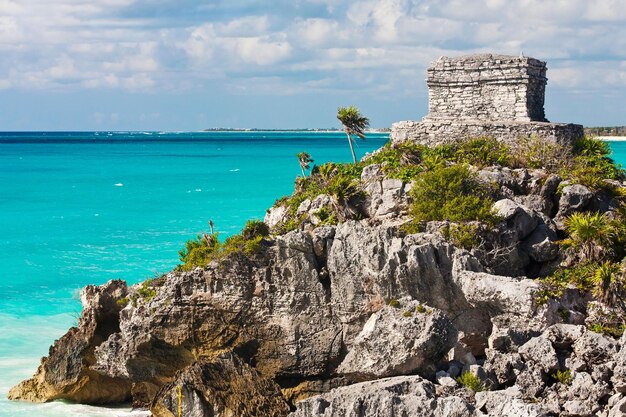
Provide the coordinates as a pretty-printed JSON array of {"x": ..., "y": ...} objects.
[{"x": 612, "y": 138}]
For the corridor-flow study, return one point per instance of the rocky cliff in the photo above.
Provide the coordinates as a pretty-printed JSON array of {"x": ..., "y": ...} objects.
[{"x": 361, "y": 311}]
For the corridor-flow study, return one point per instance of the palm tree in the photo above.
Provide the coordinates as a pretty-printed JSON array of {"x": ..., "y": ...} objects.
[
  {"x": 590, "y": 236},
  {"x": 305, "y": 161},
  {"x": 354, "y": 123},
  {"x": 609, "y": 283}
]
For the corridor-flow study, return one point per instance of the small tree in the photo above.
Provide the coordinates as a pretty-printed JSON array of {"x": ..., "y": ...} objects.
[
  {"x": 305, "y": 161},
  {"x": 354, "y": 123}
]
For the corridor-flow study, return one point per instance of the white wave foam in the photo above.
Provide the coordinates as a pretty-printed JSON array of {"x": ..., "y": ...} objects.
[
  {"x": 235, "y": 170},
  {"x": 119, "y": 184}
]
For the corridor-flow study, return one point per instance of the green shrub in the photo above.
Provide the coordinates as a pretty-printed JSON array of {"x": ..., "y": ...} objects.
[
  {"x": 592, "y": 147},
  {"x": 451, "y": 193},
  {"x": 205, "y": 248},
  {"x": 591, "y": 164},
  {"x": 147, "y": 291},
  {"x": 470, "y": 381},
  {"x": 394, "y": 303},
  {"x": 590, "y": 236},
  {"x": 536, "y": 152},
  {"x": 564, "y": 377},
  {"x": 326, "y": 216},
  {"x": 579, "y": 276},
  {"x": 609, "y": 284},
  {"x": 198, "y": 251},
  {"x": 610, "y": 330},
  {"x": 420, "y": 308},
  {"x": 408, "y": 313},
  {"x": 255, "y": 228},
  {"x": 401, "y": 160},
  {"x": 463, "y": 235},
  {"x": 122, "y": 302},
  {"x": 482, "y": 152},
  {"x": 564, "y": 313}
]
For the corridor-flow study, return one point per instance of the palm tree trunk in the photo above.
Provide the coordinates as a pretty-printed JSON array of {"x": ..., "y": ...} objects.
[
  {"x": 351, "y": 148},
  {"x": 303, "y": 174}
]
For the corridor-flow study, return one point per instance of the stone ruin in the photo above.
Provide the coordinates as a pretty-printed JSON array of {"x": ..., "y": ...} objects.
[{"x": 489, "y": 95}]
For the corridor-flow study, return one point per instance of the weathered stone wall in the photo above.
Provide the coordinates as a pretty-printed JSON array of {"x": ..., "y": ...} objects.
[
  {"x": 433, "y": 133},
  {"x": 485, "y": 95},
  {"x": 487, "y": 87}
]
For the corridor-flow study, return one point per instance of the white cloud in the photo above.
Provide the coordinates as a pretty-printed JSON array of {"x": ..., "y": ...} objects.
[{"x": 65, "y": 44}]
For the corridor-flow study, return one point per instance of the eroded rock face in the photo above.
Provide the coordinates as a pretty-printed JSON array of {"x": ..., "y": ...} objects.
[
  {"x": 66, "y": 372},
  {"x": 225, "y": 386},
  {"x": 402, "y": 339},
  {"x": 399, "y": 396},
  {"x": 333, "y": 305}
]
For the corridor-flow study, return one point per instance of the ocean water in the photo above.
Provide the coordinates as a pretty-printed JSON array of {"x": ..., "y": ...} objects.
[{"x": 83, "y": 208}]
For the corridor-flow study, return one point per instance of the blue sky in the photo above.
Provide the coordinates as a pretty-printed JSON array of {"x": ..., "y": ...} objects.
[{"x": 193, "y": 64}]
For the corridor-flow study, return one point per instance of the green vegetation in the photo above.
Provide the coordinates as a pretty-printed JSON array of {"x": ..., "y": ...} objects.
[
  {"x": 471, "y": 381},
  {"x": 326, "y": 216},
  {"x": 564, "y": 377},
  {"x": 615, "y": 330},
  {"x": 609, "y": 284},
  {"x": 420, "y": 308},
  {"x": 464, "y": 235},
  {"x": 482, "y": 152},
  {"x": 408, "y": 313},
  {"x": 535, "y": 152},
  {"x": 305, "y": 160},
  {"x": 591, "y": 164},
  {"x": 122, "y": 302},
  {"x": 578, "y": 276},
  {"x": 451, "y": 193},
  {"x": 394, "y": 303},
  {"x": 354, "y": 124},
  {"x": 590, "y": 236},
  {"x": 207, "y": 247}
]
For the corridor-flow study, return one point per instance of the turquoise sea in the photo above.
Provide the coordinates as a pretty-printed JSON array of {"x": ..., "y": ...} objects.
[{"x": 82, "y": 208}]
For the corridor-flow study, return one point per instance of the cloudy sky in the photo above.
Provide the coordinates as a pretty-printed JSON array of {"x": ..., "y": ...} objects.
[{"x": 194, "y": 64}]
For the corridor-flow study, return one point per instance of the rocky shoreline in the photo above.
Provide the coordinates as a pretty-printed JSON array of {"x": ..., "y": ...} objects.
[
  {"x": 359, "y": 316},
  {"x": 457, "y": 277}
]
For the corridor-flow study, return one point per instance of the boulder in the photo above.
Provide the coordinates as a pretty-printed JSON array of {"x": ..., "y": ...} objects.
[
  {"x": 498, "y": 294},
  {"x": 275, "y": 215},
  {"x": 389, "y": 397},
  {"x": 573, "y": 198},
  {"x": 539, "y": 350},
  {"x": 507, "y": 403},
  {"x": 518, "y": 218},
  {"x": 540, "y": 245},
  {"x": 220, "y": 387},
  {"x": 400, "y": 340},
  {"x": 594, "y": 348}
]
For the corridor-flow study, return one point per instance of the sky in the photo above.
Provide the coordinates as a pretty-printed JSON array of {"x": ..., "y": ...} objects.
[{"x": 195, "y": 64}]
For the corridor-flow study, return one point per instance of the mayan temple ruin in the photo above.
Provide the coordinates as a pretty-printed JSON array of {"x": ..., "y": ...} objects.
[{"x": 498, "y": 96}]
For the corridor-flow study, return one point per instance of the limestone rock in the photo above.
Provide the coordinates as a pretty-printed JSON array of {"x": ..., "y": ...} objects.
[
  {"x": 395, "y": 341},
  {"x": 398, "y": 396},
  {"x": 573, "y": 198},
  {"x": 66, "y": 373},
  {"x": 540, "y": 245},
  {"x": 594, "y": 348},
  {"x": 507, "y": 403},
  {"x": 496, "y": 293},
  {"x": 220, "y": 387},
  {"x": 540, "y": 351},
  {"x": 275, "y": 215},
  {"x": 518, "y": 217}
]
